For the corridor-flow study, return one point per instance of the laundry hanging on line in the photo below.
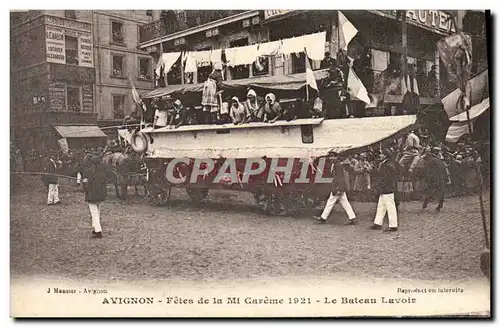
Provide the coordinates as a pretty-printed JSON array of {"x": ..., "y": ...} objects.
[
  {"x": 203, "y": 58},
  {"x": 268, "y": 48},
  {"x": 190, "y": 62},
  {"x": 166, "y": 61},
  {"x": 247, "y": 55}
]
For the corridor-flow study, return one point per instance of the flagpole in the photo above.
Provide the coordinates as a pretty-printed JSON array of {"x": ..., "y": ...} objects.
[{"x": 306, "y": 64}]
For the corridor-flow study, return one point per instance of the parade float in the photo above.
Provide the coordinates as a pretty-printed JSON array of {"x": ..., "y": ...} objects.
[{"x": 285, "y": 164}]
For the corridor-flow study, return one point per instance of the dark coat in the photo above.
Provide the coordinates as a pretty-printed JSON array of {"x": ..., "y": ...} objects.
[
  {"x": 49, "y": 169},
  {"x": 388, "y": 175},
  {"x": 96, "y": 187},
  {"x": 434, "y": 171},
  {"x": 339, "y": 180}
]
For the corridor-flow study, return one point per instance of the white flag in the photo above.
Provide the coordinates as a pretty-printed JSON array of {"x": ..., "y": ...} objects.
[
  {"x": 347, "y": 31},
  {"x": 356, "y": 87},
  {"x": 136, "y": 96},
  {"x": 310, "y": 79}
]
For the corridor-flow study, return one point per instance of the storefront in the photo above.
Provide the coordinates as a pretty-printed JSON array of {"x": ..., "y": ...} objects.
[{"x": 381, "y": 31}]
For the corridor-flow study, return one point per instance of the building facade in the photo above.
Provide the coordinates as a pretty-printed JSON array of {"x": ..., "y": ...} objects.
[
  {"x": 73, "y": 67},
  {"x": 119, "y": 64},
  {"x": 52, "y": 74},
  {"x": 380, "y": 32}
]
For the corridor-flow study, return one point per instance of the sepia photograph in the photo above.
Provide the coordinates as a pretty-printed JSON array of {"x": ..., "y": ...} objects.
[{"x": 250, "y": 163}]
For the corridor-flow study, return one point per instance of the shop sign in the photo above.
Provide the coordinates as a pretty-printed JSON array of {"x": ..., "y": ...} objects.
[
  {"x": 275, "y": 12},
  {"x": 433, "y": 19}
]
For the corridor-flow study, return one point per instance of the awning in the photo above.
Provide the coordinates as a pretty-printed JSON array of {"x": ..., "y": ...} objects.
[
  {"x": 279, "y": 83},
  {"x": 80, "y": 131}
]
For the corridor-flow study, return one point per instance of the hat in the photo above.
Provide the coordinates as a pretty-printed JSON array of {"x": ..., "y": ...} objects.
[{"x": 436, "y": 149}]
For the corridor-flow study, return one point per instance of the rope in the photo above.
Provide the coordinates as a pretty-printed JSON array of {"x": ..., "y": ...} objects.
[{"x": 38, "y": 173}]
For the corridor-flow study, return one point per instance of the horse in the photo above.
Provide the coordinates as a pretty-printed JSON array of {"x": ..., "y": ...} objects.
[{"x": 124, "y": 171}]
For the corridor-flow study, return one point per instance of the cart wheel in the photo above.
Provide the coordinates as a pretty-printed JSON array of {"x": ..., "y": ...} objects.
[
  {"x": 160, "y": 197},
  {"x": 272, "y": 205},
  {"x": 197, "y": 194},
  {"x": 485, "y": 263}
]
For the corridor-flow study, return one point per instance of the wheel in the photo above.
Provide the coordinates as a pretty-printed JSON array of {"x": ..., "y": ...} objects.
[
  {"x": 273, "y": 205},
  {"x": 160, "y": 197},
  {"x": 197, "y": 194}
]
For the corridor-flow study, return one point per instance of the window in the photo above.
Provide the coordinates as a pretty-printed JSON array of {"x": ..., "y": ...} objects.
[
  {"x": 117, "y": 32},
  {"x": 261, "y": 66},
  {"x": 298, "y": 63},
  {"x": 174, "y": 75},
  {"x": 73, "y": 99},
  {"x": 144, "y": 68},
  {"x": 71, "y": 46},
  {"x": 241, "y": 71},
  {"x": 118, "y": 66},
  {"x": 70, "y": 14},
  {"x": 118, "y": 106}
]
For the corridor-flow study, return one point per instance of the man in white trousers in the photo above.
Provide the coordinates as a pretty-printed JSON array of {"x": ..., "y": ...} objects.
[
  {"x": 51, "y": 180},
  {"x": 337, "y": 192},
  {"x": 388, "y": 175},
  {"x": 94, "y": 184}
]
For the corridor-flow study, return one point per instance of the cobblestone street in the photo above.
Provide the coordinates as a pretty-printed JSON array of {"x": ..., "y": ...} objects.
[{"x": 227, "y": 237}]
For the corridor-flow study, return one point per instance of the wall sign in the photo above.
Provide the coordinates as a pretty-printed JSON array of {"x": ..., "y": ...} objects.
[
  {"x": 67, "y": 23},
  {"x": 55, "y": 42},
  {"x": 88, "y": 98},
  {"x": 57, "y": 96},
  {"x": 55, "y": 45},
  {"x": 276, "y": 12},
  {"x": 85, "y": 50},
  {"x": 434, "y": 19}
]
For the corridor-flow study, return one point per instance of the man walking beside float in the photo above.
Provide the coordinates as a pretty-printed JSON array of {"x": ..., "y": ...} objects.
[
  {"x": 337, "y": 193},
  {"x": 387, "y": 188}
]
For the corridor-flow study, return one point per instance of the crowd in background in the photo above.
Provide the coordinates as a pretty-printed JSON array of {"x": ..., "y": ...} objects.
[
  {"x": 460, "y": 160},
  {"x": 360, "y": 168}
]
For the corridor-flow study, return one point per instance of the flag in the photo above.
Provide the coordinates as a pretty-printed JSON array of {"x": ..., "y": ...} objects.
[
  {"x": 125, "y": 135},
  {"x": 455, "y": 51},
  {"x": 310, "y": 79},
  {"x": 136, "y": 96},
  {"x": 356, "y": 87},
  {"x": 63, "y": 144},
  {"x": 347, "y": 31}
]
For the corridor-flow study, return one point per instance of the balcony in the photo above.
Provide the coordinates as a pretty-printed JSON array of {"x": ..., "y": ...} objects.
[{"x": 174, "y": 22}]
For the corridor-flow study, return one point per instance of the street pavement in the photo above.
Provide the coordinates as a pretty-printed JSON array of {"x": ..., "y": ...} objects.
[{"x": 228, "y": 237}]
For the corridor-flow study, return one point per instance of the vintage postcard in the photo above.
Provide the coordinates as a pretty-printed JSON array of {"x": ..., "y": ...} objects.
[{"x": 250, "y": 163}]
